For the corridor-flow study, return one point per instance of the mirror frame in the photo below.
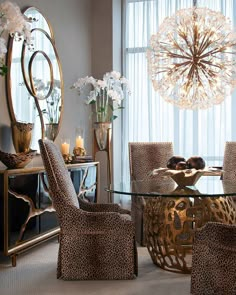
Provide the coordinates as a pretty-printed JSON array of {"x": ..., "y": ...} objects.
[{"x": 32, "y": 90}]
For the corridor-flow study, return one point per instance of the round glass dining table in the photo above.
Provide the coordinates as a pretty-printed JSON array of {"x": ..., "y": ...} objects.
[{"x": 171, "y": 214}]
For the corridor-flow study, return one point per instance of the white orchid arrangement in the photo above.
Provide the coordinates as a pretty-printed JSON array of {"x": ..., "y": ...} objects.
[
  {"x": 13, "y": 22},
  {"x": 107, "y": 94}
]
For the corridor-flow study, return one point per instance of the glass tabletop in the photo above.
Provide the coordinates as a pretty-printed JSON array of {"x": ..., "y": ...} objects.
[{"x": 165, "y": 186}]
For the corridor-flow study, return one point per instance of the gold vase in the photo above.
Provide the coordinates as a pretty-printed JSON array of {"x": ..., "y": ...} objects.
[
  {"x": 51, "y": 130},
  {"x": 102, "y": 142},
  {"x": 21, "y": 136},
  {"x": 101, "y": 130}
]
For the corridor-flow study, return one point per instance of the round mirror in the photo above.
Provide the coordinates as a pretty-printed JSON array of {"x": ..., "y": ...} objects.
[{"x": 35, "y": 85}]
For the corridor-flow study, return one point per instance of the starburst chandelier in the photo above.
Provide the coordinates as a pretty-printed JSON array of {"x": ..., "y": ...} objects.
[{"x": 192, "y": 58}]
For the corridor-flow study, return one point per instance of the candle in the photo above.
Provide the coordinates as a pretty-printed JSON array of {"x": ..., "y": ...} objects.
[
  {"x": 79, "y": 142},
  {"x": 65, "y": 148}
]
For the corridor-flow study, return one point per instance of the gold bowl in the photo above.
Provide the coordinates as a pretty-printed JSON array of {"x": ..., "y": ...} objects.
[
  {"x": 187, "y": 179},
  {"x": 18, "y": 160}
]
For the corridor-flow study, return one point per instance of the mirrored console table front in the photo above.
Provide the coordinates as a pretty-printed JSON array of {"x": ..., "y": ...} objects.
[{"x": 26, "y": 211}]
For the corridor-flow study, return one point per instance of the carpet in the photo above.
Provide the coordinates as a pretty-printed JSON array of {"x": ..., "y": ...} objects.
[{"x": 35, "y": 274}]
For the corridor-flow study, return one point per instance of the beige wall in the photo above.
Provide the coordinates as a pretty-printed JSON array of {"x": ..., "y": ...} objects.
[
  {"x": 101, "y": 37},
  {"x": 106, "y": 56}
]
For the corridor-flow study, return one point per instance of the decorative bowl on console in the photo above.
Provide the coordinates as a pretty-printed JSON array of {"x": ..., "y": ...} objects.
[{"x": 18, "y": 160}]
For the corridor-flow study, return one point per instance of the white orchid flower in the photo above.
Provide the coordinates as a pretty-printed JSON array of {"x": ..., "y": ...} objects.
[
  {"x": 115, "y": 96},
  {"x": 92, "y": 96},
  {"x": 106, "y": 92},
  {"x": 101, "y": 84},
  {"x": 91, "y": 80},
  {"x": 39, "y": 84},
  {"x": 115, "y": 75},
  {"x": 14, "y": 21}
]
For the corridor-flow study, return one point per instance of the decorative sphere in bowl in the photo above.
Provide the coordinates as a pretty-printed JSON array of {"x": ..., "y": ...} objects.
[
  {"x": 173, "y": 161},
  {"x": 181, "y": 165},
  {"x": 195, "y": 162},
  {"x": 18, "y": 160}
]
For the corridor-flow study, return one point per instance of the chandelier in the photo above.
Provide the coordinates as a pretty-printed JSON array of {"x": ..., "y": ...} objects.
[{"x": 191, "y": 59}]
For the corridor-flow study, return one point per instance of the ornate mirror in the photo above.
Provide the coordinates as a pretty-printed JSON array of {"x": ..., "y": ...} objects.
[{"x": 35, "y": 88}]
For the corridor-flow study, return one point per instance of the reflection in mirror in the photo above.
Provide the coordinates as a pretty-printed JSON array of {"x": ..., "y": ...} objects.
[{"x": 35, "y": 83}]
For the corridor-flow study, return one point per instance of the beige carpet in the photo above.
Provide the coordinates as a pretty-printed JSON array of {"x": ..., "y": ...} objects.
[{"x": 36, "y": 274}]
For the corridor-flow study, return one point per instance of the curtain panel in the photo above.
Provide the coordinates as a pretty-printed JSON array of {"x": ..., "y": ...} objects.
[{"x": 146, "y": 116}]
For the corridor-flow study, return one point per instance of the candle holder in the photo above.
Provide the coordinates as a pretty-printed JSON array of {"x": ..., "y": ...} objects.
[
  {"x": 79, "y": 151},
  {"x": 67, "y": 158},
  {"x": 65, "y": 146},
  {"x": 79, "y": 138}
]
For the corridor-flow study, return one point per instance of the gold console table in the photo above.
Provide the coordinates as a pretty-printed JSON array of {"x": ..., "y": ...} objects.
[{"x": 26, "y": 211}]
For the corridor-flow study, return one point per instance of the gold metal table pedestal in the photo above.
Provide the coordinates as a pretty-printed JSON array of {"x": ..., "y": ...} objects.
[{"x": 170, "y": 222}]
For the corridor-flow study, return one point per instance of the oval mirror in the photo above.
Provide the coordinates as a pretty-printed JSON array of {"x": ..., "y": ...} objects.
[{"x": 35, "y": 87}]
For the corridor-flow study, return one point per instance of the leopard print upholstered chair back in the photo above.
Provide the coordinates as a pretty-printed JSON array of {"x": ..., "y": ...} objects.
[
  {"x": 229, "y": 163},
  {"x": 143, "y": 158},
  {"x": 214, "y": 260},
  {"x": 60, "y": 184},
  {"x": 146, "y": 156}
]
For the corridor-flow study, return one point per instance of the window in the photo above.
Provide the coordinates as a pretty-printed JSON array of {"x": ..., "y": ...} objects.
[{"x": 147, "y": 117}]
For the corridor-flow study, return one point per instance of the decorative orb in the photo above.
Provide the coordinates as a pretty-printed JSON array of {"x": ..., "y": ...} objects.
[
  {"x": 181, "y": 165},
  {"x": 195, "y": 162},
  {"x": 172, "y": 162}
]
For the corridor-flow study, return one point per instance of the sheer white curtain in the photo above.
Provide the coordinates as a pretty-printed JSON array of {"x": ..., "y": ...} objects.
[{"x": 147, "y": 117}]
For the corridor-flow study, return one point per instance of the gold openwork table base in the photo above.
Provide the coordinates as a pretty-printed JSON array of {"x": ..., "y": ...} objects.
[{"x": 170, "y": 222}]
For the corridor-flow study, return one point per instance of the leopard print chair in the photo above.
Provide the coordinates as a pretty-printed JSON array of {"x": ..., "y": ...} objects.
[
  {"x": 229, "y": 164},
  {"x": 97, "y": 241},
  {"x": 143, "y": 158},
  {"x": 214, "y": 260}
]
